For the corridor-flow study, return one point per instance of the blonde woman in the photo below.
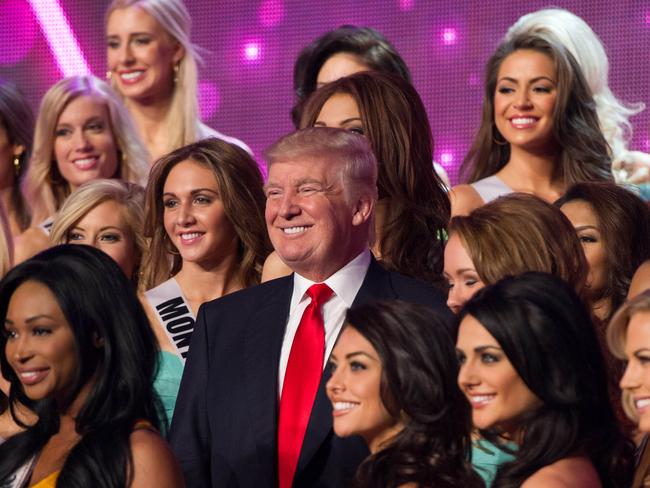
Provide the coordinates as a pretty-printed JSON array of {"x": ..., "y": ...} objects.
[
  {"x": 628, "y": 337},
  {"x": 108, "y": 215},
  {"x": 153, "y": 65},
  {"x": 82, "y": 133}
]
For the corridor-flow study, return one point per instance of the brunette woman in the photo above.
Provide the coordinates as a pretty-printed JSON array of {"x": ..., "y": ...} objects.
[
  {"x": 393, "y": 383},
  {"x": 78, "y": 350},
  {"x": 539, "y": 129}
]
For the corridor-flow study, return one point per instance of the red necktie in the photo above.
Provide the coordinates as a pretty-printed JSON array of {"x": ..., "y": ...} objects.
[{"x": 301, "y": 379}]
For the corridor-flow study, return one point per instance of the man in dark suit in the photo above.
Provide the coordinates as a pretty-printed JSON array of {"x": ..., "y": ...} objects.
[{"x": 234, "y": 423}]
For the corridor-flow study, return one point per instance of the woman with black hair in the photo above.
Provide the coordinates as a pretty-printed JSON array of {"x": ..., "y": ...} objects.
[
  {"x": 393, "y": 383},
  {"x": 532, "y": 371},
  {"x": 78, "y": 350}
]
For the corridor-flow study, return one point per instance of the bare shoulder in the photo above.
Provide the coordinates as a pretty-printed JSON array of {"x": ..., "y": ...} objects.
[
  {"x": 640, "y": 280},
  {"x": 274, "y": 268},
  {"x": 464, "y": 199},
  {"x": 30, "y": 243},
  {"x": 572, "y": 472},
  {"x": 154, "y": 463}
]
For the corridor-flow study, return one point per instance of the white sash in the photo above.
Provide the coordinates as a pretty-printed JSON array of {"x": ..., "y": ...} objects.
[
  {"x": 46, "y": 225},
  {"x": 174, "y": 314}
]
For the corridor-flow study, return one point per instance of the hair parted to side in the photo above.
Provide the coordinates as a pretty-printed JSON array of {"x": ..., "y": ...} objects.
[
  {"x": 351, "y": 151},
  {"x": 577, "y": 36},
  {"x": 418, "y": 384},
  {"x": 44, "y": 186},
  {"x": 18, "y": 121},
  {"x": 617, "y": 338},
  {"x": 370, "y": 46},
  {"x": 545, "y": 331},
  {"x": 240, "y": 185},
  {"x": 584, "y": 153},
  {"x": 174, "y": 18},
  {"x": 130, "y": 196},
  {"x": 624, "y": 221},
  {"x": 99, "y": 305},
  {"x": 518, "y": 233},
  {"x": 395, "y": 123}
]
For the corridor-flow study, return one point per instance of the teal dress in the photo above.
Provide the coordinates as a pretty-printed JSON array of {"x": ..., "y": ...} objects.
[
  {"x": 167, "y": 382},
  {"x": 486, "y": 459}
]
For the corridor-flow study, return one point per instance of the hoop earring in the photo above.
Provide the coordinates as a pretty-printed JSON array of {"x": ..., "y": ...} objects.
[{"x": 17, "y": 165}]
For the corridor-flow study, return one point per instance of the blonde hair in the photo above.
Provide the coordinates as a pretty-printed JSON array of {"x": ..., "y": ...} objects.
[
  {"x": 582, "y": 42},
  {"x": 616, "y": 332},
  {"x": 183, "y": 115},
  {"x": 44, "y": 186},
  {"x": 129, "y": 195}
]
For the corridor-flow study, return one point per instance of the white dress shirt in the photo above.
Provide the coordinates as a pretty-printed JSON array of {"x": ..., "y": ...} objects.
[{"x": 345, "y": 284}]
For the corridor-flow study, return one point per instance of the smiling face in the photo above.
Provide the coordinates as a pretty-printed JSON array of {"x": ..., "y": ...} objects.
[
  {"x": 354, "y": 390},
  {"x": 105, "y": 228},
  {"x": 141, "y": 55},
  {"x": 584, "y": 220},
  {"x": 314, "y": 226},
  {"x": 635, "y": 382},
  {"x": 495, "y": 391},
  {"x": 339, "y": 65},
  {"x": 524, "y": 100},
  {"x": 194, "y": 215},
  {"x": 460, "y": 274},
  {"x": 40, "y": 345},
  {"x": 342, "y": 112},
  {"x": 84, "y": 145}
]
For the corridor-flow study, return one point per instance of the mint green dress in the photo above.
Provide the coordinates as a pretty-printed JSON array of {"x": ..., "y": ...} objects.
[
  {"x": 167, "y": 382},
  {"x": 486, "y": 459}
]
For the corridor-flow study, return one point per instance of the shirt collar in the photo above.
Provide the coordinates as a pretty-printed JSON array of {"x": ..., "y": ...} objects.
[{"x": 345, "y": 283}]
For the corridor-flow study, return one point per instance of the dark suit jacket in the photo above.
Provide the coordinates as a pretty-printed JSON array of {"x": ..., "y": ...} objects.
[{"x": 225, "y": 420}]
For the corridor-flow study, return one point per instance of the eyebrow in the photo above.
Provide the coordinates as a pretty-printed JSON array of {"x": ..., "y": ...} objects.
[
  {"x": 585, "y": 227},
  {"x": 32, "y": 319},
  {"x": 485, "y": 348},
  {"x": 639, "y": 351},
  {"x": 77, "y": 227},
  {"x": 192, "y": 192},
  {"x": 131, "y": 34},
  {"x": 360, "y": 353},
  {"x": 515, "y": 80},
  {"x": 343, "y": 122}
]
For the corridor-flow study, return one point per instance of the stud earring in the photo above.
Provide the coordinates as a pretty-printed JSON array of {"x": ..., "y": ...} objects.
[{"x": 17, "y": 165}]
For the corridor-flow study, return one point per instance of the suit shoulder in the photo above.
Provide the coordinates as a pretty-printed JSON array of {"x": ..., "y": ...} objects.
[
  {"x": 418, "y": 291},
  {"x": 250, "y": 296}
]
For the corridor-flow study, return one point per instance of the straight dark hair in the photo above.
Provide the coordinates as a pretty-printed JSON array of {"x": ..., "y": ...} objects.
[
  {"x": 418, "y": 383},
  {"x": 98, "y": 303},
  {"x": 545, "y": 330}
]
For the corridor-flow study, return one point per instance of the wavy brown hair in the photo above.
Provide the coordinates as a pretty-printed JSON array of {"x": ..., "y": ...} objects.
[
  {"x": 395, "y": 122},
  {"x": 624, "y": 224},
  {"x": 584, "y": 153},
  {"x": 241, "y": 191},
  {"x": 518, "y": 233}
]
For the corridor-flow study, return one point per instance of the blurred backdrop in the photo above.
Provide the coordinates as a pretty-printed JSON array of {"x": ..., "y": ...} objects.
[{"x": 250, "y": 47}]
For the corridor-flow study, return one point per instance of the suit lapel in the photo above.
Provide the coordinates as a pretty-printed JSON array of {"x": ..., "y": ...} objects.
[
  {"x": 263, "y": 342},
  {"x": 376, "y": 286}
]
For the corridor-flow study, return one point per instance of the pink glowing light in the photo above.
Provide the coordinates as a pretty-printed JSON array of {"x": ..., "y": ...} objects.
[
  {"x": 270, "y": 12},
  {"x": 252, "y": 51},
  {"x": 406, "y": 4},
  {"x": 447, "y": 158},
  {"x": 62, "y": 41},
  {"x": 448, "y": 36}
]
